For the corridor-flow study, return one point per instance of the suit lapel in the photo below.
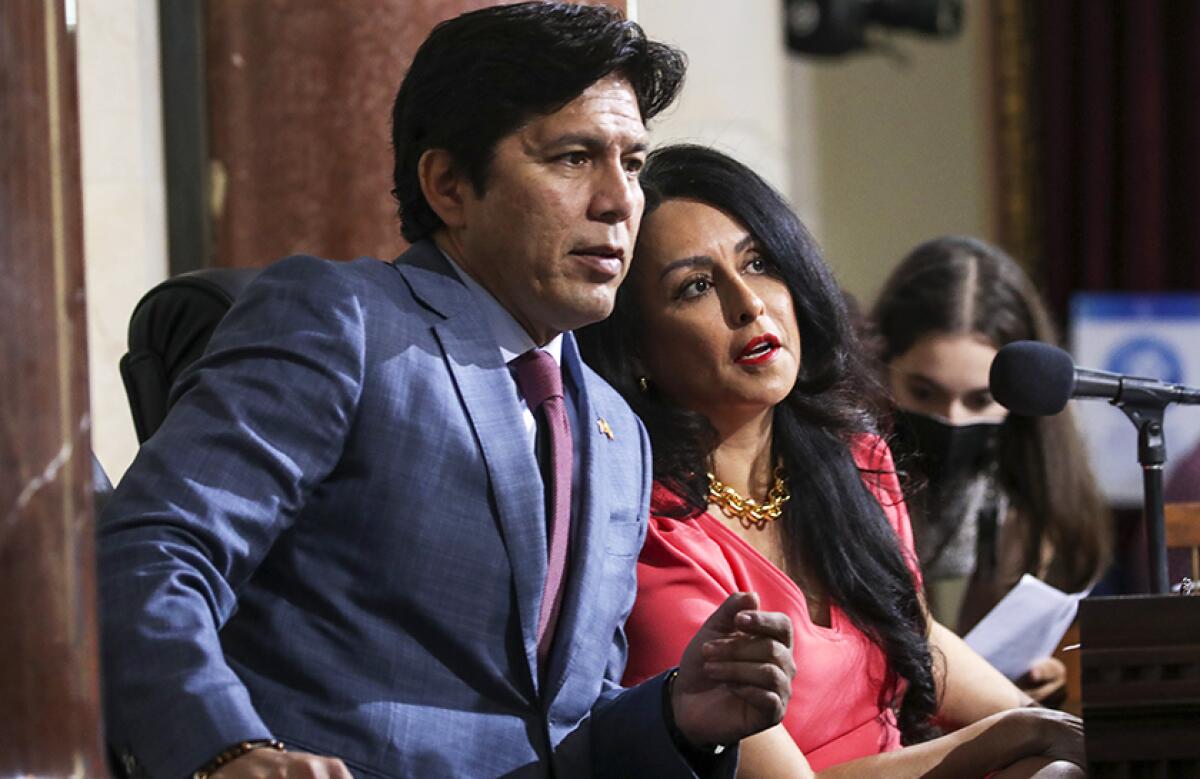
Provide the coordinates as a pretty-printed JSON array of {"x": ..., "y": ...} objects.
[
  {"x": 494, "y": 411},
  {"x": 588, "y": 528}
]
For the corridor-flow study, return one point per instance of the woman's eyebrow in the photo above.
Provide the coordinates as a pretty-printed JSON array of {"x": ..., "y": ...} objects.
[
  {"x": 938, "y": 386},
  {"x": 921, "y": 377},
  {"x": 695, "y": 261},
  {"x": 705, "y": 260}
]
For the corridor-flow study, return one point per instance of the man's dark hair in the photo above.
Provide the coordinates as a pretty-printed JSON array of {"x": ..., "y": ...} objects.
[{"x": 484, "y": 74}]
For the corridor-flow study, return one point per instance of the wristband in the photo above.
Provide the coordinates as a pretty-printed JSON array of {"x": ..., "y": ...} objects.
[{"x": 692, "y": 753}]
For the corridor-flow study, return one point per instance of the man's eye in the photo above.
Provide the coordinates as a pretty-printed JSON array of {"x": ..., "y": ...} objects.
[
  {"x": 574, "y": 158},
  {"x": 634, "y": 164}
]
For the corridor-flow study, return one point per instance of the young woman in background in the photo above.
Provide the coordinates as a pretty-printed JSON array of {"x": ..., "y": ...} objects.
[{"x": 996, "y": 495}]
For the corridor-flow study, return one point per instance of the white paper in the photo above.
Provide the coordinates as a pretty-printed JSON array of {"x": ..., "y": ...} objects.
[{"x": 1026, "y": 625}]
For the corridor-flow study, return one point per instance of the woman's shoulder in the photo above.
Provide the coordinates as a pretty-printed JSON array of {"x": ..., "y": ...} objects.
[
  {"x": 668, "y": 503},
  {"x": 871, "y": 452},
  {"x": 874, "y": 460},
  {"x": 681, "y": 546},
  {"x": 873, "y": 457},
  {"x": 678, "y": 528},
  {"x": 674, "y": 519}
]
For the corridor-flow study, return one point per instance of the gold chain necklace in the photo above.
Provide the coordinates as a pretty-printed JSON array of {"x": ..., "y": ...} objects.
[{"x": 747, "y": 510}]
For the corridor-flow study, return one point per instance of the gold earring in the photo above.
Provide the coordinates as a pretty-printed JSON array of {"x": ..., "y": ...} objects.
[{"x": 643, "y": 384}]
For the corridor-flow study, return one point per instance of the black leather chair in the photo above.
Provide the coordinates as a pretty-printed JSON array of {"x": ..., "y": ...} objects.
[
  {"x": 169, "y": 329},
  {"x": 102, "y": 488}
]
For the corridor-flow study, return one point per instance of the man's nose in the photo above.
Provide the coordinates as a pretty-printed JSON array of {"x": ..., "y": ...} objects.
[{"x": 616, "y": 194}]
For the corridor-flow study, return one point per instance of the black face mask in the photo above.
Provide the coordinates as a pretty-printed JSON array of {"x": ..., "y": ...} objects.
[{"x": 944, "y": 452}]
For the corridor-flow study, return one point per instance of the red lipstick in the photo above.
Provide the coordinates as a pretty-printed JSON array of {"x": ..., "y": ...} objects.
[{"x": 758, "y": 350}]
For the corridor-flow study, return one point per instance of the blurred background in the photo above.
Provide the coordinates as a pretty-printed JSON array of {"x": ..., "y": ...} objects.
[{"x": 234, "y": 132}]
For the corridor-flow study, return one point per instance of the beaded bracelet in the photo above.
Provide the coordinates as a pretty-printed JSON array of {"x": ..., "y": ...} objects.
[{"x": 234, "y": 752}]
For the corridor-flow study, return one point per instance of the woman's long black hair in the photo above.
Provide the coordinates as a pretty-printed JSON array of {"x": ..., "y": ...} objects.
[{"x": 833, "y": 527}]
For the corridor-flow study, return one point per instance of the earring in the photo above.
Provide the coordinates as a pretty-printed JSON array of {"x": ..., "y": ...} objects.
[{"x": 643, "y": 384}]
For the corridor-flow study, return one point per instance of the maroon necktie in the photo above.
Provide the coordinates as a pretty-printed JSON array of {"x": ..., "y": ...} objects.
[{"x": 540, "y": 381}]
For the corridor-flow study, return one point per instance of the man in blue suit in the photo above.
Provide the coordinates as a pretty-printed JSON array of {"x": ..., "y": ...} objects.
[{"x": 363, "y": 534}]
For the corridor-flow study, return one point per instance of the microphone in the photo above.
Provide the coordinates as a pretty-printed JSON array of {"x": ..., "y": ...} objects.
[{"x": 1036, "y": 379}]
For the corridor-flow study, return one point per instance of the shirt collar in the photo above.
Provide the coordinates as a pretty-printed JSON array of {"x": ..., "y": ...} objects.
[{"x": 510, "y": 336}]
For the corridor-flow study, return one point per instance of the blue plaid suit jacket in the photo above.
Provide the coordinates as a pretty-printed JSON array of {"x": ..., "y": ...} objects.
[{"x": 338, "y": 539}]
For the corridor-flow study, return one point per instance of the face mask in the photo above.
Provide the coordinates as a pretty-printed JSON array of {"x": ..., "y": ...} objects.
[{"x": 941, "y": 451}]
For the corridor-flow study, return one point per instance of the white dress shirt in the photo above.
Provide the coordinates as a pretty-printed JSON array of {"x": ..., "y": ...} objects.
[{"x": 513, "y": 342}]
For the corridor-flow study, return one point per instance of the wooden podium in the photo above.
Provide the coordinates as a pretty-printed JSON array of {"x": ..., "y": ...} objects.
[{"x": 1141, "y": 686}]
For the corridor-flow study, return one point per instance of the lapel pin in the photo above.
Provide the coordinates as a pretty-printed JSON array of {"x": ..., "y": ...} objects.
[{"x": 604, "y": 428}]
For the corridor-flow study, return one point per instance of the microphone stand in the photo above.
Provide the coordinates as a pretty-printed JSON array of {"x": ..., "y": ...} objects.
[
  {"x": 1140, "y": 713},
  {"x": 1145, "y": 410}
]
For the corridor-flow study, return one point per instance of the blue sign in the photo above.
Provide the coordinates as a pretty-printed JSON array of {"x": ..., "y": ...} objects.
[{"x": 1152, "y": 335}]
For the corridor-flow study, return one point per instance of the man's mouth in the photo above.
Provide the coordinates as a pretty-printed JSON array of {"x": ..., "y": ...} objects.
[
  {"x": 759, "y": 350},
  {"x": 606, "y": 259}
]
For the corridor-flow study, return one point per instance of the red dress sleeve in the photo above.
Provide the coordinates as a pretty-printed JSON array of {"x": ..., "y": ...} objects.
[
  {"x": 874, "y": 459},
  {"x": 682, "y": 578}
]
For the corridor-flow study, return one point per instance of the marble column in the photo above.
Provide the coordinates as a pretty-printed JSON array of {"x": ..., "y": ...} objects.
[
  {"x": 299, "y": 106},
  {"x": 49, "y": 693}
]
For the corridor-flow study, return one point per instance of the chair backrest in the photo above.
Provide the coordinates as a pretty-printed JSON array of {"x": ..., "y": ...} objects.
[
  {"x": 168, "y": 331},
  {"x": 1183, "y": 531},
  {"x": 102, "y": 488}
]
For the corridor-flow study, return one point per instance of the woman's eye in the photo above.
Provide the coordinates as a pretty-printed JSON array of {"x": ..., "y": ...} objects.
[
  {"x": 979, "y": 401},
  {"x": 920, "y": 393},
  {"x": 694, "y": 288},
  {"x": 757, "y": 265}
]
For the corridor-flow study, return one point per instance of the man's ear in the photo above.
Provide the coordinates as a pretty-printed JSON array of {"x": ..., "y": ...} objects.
[{"x": 443, "y": 186}]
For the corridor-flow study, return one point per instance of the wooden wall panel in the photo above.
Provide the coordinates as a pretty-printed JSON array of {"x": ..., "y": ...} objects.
[
  {"x": 49, "y": 693},
  {"x": 299, "y": 101},
  {"x": 300, "y": 98}
]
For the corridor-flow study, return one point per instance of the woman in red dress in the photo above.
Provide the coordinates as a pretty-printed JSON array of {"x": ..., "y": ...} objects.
[{"x": 731, "y": 340}]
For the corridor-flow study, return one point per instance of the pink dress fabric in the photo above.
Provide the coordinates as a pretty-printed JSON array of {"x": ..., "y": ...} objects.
[{"x": 689, "y": 566}]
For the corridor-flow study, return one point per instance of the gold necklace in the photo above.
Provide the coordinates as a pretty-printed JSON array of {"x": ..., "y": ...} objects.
[{"x": 747, "y": 510}]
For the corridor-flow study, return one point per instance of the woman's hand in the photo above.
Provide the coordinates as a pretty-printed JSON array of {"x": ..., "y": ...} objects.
[
  {"x": 1040, "y": 768},
  {"x": 1045, "y": 681},
  {"x": 1026, "y": 743},
  {"x": 1016, "y": 744},
  {"x": 1052, "y": 734}
]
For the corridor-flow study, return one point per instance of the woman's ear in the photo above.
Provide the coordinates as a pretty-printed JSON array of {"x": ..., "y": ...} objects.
[{"x": 444, "y": 188}]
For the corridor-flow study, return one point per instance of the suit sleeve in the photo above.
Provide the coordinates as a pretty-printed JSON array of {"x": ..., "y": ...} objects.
[
  {"x": 257, "y": 423},
  {"x": 629, "y": 733}
]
